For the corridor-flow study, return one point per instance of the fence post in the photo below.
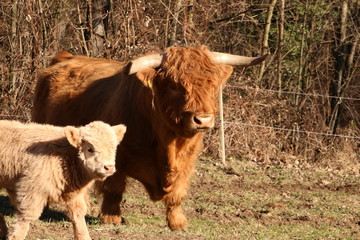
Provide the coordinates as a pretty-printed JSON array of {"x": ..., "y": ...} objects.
[{"x": 222, "y": 139}]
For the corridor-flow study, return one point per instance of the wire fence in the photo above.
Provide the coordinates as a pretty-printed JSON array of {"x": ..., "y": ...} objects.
[
  {"x": 292, "y": 93},
  {"x": 14, "y": 117},
  {"x": 295, "y": 130},
  {"x": 292, "y": 130},
  {"x": 245, "y": 124},
  {"x": 20, "y": 117}
]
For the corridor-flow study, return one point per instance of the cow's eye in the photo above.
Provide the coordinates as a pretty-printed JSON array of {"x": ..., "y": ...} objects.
[
  {"x": 90, "y": 150},
  {"x": 173, "y": 87}
]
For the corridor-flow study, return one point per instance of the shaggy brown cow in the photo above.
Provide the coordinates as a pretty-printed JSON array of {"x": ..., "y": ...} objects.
[
  {"x": 42, "y": 164},
  {"x": 166, "y": 100}
]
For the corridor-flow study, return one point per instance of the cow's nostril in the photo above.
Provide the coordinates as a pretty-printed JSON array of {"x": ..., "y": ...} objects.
[
  {"x": 204, "y": 121},
  {"x": 196, "y": 120}
]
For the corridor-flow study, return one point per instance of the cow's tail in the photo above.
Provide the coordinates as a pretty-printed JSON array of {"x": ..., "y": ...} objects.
[{"x": 3, "y": 228}]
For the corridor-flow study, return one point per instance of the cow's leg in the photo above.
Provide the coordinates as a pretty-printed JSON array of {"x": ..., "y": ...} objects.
[
  {"x": 175, "y": 216},
  {"x": 113, "y": 189},
  {"x": 76, "y": 210}
]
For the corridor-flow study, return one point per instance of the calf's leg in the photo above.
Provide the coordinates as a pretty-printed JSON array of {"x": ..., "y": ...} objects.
[
  {"x": 76, "y": 211},
  {"x": 19, "y": 229},
  {"x": 28, "y": 209}
]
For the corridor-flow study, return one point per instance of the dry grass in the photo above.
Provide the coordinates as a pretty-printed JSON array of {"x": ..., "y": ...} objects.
[{"x": 244, "y": 201}]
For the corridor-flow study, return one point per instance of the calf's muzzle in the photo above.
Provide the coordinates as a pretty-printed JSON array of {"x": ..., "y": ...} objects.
[{"x": 109, "y": 169}]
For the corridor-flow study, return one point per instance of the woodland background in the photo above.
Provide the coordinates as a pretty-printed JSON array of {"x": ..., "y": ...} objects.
[{"x": 300, "y": 108}]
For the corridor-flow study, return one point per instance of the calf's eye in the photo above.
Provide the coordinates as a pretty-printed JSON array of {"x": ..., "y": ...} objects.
[{"x": 90, "y": 150}]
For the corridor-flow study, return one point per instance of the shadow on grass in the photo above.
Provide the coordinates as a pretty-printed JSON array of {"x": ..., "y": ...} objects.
[
  {"x": 5, "y": 207},
  {"x": 48, "y": 215}
]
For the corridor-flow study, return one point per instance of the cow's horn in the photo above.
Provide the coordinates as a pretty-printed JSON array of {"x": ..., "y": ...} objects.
[
  {"x": 148, "y": 61},
  {"x": 236, "y": 60}
]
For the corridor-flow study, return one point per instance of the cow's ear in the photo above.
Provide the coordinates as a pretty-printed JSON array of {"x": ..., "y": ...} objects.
[
  {"x": 119, "y": 131},
  {"x": 147, "y": 76},
  {"x": 72, "y": 135},
  {"x": 225, "y": 73}
]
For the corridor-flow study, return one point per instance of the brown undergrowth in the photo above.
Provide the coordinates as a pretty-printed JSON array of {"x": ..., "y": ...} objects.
[{"x": 272, "y": 130}]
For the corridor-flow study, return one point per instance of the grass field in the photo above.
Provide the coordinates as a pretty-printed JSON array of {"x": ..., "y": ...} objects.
[{"x": 246, "y": 201}]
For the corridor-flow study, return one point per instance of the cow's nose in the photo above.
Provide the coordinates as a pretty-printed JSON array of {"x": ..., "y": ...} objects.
[
  {"x": 109, "y": 168},
  {"x": 204, "y": 121}
]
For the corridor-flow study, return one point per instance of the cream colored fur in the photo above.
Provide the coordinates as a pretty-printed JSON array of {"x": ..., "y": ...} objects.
[{"x": 41, "y": 164}]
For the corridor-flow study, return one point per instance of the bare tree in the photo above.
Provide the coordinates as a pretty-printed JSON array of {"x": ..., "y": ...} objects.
[
  {"x": 265, "y": 46},
  {"x": 82, "y": 29},
  {"x": 59, "y": 27},
  {"x": 280, "y": 42},
  {"x": 177, "y": 9},
  {"x": 300, "y": 83},
  {"x": 13, "y": 41},
  {"x": 340, "y": 82},
  {"x": 96, "y": 14}
]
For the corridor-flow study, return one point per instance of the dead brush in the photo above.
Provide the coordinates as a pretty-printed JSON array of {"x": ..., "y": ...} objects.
[{"x": 261, "y": 127}]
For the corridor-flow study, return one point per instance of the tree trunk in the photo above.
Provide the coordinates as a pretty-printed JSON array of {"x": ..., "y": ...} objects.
[
  {"x": 60, "y": 27},
  {"x": 83, "y": 30},
  {"x": 337, "y": 86},
  {"x": 96, "y": 16},
  {"x": 265, "y": 47},
  {"x": 13, "y": 42},
  {"x": 177, "y": 9},
  {"x": 301, "y": 84},
  {"x": 191, "y": 13},
  {"x": 44, "y": 48},
  {"x": 280, "y": 43}
]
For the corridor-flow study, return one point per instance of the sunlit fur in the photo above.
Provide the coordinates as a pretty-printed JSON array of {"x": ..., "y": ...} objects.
[
  {"x": 41, "y": 164},
  {"x": 188, "y": 83},
  {"x": 158, "y": 106}
]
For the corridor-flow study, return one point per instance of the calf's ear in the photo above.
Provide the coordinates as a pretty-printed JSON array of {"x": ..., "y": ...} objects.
[
  {"x": 72, "y": 135},
  {"x": 119, "y": 131}
]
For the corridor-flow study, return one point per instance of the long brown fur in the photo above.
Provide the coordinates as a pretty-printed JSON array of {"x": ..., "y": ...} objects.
[{"x": 157, "y": 106}]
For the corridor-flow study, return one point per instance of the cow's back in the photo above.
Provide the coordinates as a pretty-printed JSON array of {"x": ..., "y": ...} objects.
[{"x": 74, "y": 90}]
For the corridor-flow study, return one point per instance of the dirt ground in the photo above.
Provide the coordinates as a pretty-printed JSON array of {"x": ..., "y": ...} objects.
[{"x": 245, "y": 201}]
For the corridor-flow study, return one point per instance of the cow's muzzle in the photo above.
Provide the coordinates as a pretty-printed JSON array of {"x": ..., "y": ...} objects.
[{"x": 203, "y": 122}]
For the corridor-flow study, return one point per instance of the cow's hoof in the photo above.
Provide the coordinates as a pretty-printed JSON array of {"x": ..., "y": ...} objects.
[
  {"x": 177, "y": 222},
  {"x": 178, "y": 225},
  {"x": 112, "y": 219}
]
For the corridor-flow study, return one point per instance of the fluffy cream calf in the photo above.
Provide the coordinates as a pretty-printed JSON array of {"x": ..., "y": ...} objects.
[{"x": 41, "y": 164}]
